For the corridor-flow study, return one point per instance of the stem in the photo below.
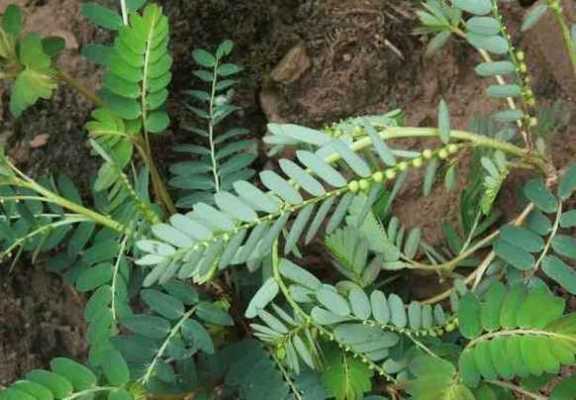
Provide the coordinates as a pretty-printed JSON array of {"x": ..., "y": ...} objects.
[
  {"x": 553, "y": 233},
  {"x": 90, "y": 391},
  {"x": 556, "y": 8},
  {"x": 211, "y": 129},
  {"x": 83, "y": 90},
  {"x": 158, "y": 185},
  {"x": 124, "y": 11},
  {"x": 160, "y": 353},
  {"x": 479, "y": 272},
  {"x": 323, "y": 331},
  {"x": 52, "y": 197},
  {"x": 518, "y": 389},
  {"x": 115, "y": 272},
  {"x": 516, "y": 332}
]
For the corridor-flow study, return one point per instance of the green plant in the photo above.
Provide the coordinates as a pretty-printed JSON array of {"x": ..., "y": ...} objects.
[{"x": 494, "y": 328}]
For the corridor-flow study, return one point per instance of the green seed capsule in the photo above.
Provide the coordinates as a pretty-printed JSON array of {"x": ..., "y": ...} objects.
[
  {"x": 390, "y": 174},
  {"x": 443, "y": 154},
  {"x": 403, "y": 166},
  {"x": 364, "y": 184},
  {"x": 353, "y": 186},
  {"x": 378, "y": 176},
  {"x": 417, "y": 162},
  {"x": 452, "y": 148},
  {"x": 427, "y": 154}
]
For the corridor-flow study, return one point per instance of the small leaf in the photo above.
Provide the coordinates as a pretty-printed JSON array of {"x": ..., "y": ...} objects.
[
  {"x": 559, "y": 272},
  {"x": 165, "y": 305},
  {"x": 523, "y": 238},
  {"x": 102, "y": 16},
  {"x": 360, "y": 303},
  {"x": 495, "y": 68},
  {"x": 148, "y": 325},
  {"x": 537, "y": 192},
  {"x": 508, "y": 116},
  {"x": 513, "y": 255},
  {"x": 476, "y": 7},
  {"x": 195, "y": 332},
  {"x": 299, "y": 275},
  {"x": 483, "y": 25},
  {"x": 214, "y": 314},
  {"x": 334, "y": 302},
  {"x": 493, "y": 44},
  {"x": 567, "y": 183},
  {"x": 503, "y": 91},
  {"x": 444, "y": 121},
  {"x": 81, "y": 377},
  {"x": 262, "y": 298},
  {"x": 12, "y": 20},
  {"x": 58, "y": 385},
  {"x": 469, "y": 316},
  {"x": 204, "y": 58},
  {"x": 397, "y": 311},
  {"x": 115, "y": 368},
  {"x": 534, "y": 15},
  {"x": 157, "y": 122}
]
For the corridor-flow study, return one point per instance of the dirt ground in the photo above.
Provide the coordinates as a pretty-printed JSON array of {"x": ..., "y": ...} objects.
[{"x": 307, "y": 61}]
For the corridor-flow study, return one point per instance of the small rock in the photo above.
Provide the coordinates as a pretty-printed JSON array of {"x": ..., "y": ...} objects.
[
  {"x": 292, "y": 66},
  {"x": 39, "y": 141}
]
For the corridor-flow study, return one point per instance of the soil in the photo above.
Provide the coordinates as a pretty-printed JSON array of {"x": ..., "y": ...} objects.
[{"x": 306, "y": 61}]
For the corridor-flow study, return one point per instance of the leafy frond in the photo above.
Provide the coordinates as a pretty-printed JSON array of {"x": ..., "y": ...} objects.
[
  {"x": 514, "y": 332},
  {"x": 223, "y": 157},
  {"x": 27, "y": 60},
  {"x": 243, "y": 226},
  {"x": 544, "y": 243},
  {"x": 68, "y": 379}
]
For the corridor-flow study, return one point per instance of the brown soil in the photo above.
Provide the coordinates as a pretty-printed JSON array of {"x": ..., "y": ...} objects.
[{"x": 307, "y": 61}]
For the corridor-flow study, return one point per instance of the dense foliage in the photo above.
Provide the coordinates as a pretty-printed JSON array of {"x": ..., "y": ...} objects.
[{"x": 211, "y": 296}]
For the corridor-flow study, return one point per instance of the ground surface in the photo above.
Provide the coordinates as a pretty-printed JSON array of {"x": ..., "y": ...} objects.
[{"x": 307, "y": 61}]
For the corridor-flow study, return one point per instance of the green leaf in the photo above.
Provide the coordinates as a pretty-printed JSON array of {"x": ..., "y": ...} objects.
[
  {"x": 513, "y": 255},
  {"x": 508, "y": 116},
  {"x": 213, "y": 314},
  {"x": 204, "y": 58},
  {"x": 324, "y": 170},
  {"x": 165, "y": 305},
  {"x": 115, "y": 368},
  {"x": 380, "y": 307},
  {"x": 29, "y": 87},
  {"x": 195, "y": 332},
  {"x": 568, "y": 219},
  {"x": 437, "y": 42},
  {"x": 359, "y": 303},
  {"x": 157, "y": 122},
  {"x": 53, "y": 45},
  {"x": 476, "y": 7},
  {"x": 262, "y": 298},
  {"x": 94, "y": 277},
  {"x": 344, "y": 377},
  {"x": 37, "y": 391},
  {"x": 134, "y": 5},
  {"x": 523, "y": 238},
  {"x": 224, "y": 49},
  {"x": 14, "y": 394},
  {"x": 299, "y": 275},
  {"x": 492, "y": 306},
  {"x": 334, "y": 302},
  {"x": 101, "y": 16},
  {"x": 444, "y": 121},
  {"x": 495, "y": 68},
  {"x": 565, "y": 246},
  {"x": 280, "y": 187},
  {"x": 469, "y": 316},
  {"x": 483, "y": 25},
  {"x": 537, "y": 192},
  {"x": 534, "y": 16},
  {"x": 567, "y": 183},
  {"x": 302, "y": 178},
  {"x": 97, "y": 53},
  {"x": 503, "y": 91},
  {"x": 493, "y": 44},
  {"x": 120, "y": 394},
  {"x": 398, "y": 315},
  {"x": 565, "y": 389},
  {"x": 12, "y": 20},
  {"x": 147, "y": 325},
  {"x": 559, "y": 272},
  {"x": 81, "y": 377},
  {"x": 58, "y": 385}
]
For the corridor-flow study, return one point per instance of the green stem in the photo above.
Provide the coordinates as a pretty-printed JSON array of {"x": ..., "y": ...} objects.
[
  {"x": 308, "y": 319},
  {"x": 67, "y": 204},
  {"x": 556, "y": 8},
  {"x": 150, "y": 370},
  {"x": 86, "y": 392},
  {"x": 518, "y": 389}
]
